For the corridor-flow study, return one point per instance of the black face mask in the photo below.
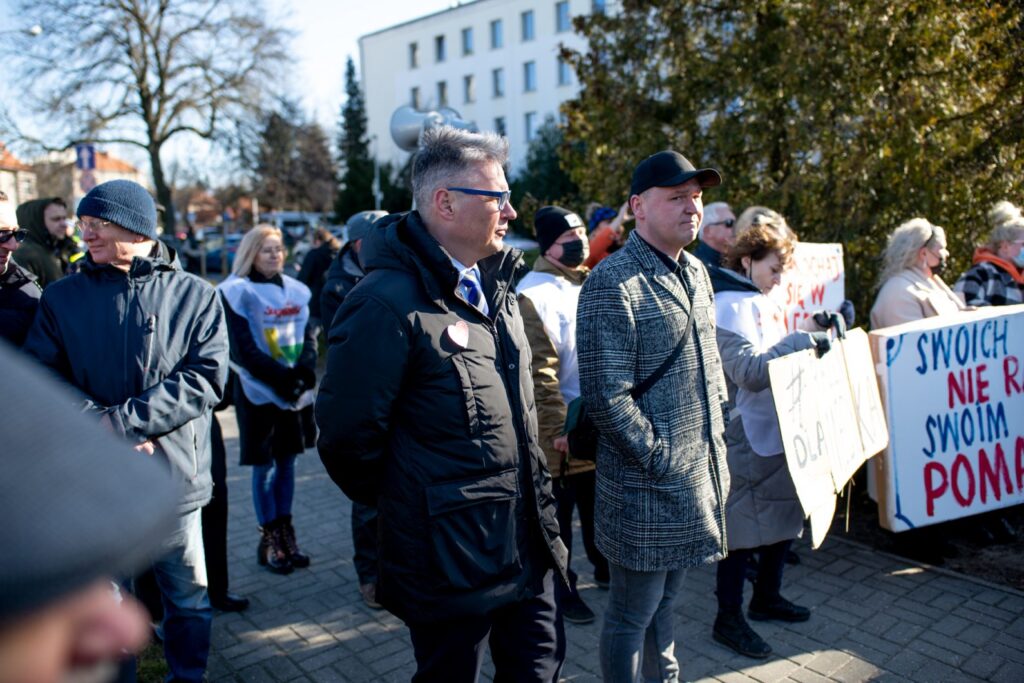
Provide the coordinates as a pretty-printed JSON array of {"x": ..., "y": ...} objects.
[{"x": 572, "y": 253}]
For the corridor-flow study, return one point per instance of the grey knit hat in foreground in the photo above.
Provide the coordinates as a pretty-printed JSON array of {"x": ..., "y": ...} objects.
[
  {"x": 77, "y": 503},
  {"x": 123, "y": 203}
]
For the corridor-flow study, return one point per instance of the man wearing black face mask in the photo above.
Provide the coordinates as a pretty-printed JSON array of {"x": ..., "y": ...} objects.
[{"x": 547, "y": 301}]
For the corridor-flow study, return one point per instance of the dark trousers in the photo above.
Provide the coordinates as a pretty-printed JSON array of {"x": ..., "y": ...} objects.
[
  {"x": 527, "y": 642},
  {"x": 215, "y": 517},
  {"x": 577, "y": 491},
  {"x": 732, "y": 572},
  {"x": 364, "y": 541}
]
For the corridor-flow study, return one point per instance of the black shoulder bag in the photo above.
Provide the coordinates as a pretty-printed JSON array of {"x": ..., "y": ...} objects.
[{"x": 581, "y": 430}]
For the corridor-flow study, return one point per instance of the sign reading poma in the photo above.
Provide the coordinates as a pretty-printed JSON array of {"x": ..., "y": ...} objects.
[{"x": 953, "y": 390}]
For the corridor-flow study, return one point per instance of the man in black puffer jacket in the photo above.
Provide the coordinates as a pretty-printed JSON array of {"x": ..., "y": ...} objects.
[
  {"x": 427, "y": 410},
  {"x": 146, "y": 345}
]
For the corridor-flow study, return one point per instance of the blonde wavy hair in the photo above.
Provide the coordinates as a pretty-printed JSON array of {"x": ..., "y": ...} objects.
[
  {"x": 905, "y": 242},
  {"x": 250, "y": 246}
]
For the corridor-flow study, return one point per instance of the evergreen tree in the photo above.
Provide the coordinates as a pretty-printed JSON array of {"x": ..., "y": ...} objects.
[
  {"x": 355, "y": 191},
  {"x": 542, "y": 180}
]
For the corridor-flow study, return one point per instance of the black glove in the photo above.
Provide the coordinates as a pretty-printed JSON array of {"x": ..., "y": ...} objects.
[
  {"x": 849, "y": 315},
  {"x": 830, "y": 320},
  {"x": 307, "y": 375},
  {"x": 822, "y": 343}
]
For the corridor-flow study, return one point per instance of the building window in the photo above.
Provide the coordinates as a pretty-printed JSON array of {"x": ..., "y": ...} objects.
[
  {"x": 439, "y": 53},
  {"x": 562, "y": 22},
  {"x": 442, "y": 93},
  {"x": 499, "y": 126},
  {"x": 467, "y": 41},
  {"x": 529, "y": 76},
  {"x": 527, "y": 25},
  {"x": 497, "y": 34},
  {"x": 597, "y": 7},
  {"x": 414, "y": 98},
  {"x": 564, "y": 72},
  {"x": 468, "y": 89},
  {"x": 414, "y": 55},
  {"x": 498, "y": 81},
  {"x": 531, "y": 125}
]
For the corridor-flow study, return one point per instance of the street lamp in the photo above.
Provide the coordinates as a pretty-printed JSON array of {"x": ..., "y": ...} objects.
[{"x": 32, "y": 31}]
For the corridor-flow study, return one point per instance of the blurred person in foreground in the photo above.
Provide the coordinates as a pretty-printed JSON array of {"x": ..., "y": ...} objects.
[
  {"x": 145, "y": 345},
  {"x": 273, "y": 350},
  {"x": 345, "y": 273},
  {"x": 548, "y": 295},
  {"x": 19, "y": 290},
  {"x": 648, "y": 312},
  {"x": 763, "y": 513},
  {"x": 911, "y": 286},
  {"x": 997, "y": 276},
  {"x": 61, "y": 616},
  {"x": 426, "y": 410}
]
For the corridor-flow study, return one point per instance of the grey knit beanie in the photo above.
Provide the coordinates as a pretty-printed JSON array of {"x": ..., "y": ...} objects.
[{"x": 123, "y": 203}]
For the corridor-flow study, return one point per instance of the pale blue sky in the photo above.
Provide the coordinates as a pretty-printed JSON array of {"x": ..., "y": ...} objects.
[{"x": 326, "y": 33}]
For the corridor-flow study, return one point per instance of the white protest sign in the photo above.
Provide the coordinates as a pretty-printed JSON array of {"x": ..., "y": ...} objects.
[
  {"x": 953, "y": 389},
  {"x": 815, "y": 281},
  {"x": 829, "y": 421}
]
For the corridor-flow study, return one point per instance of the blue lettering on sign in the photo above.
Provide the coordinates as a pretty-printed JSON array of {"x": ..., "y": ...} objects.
[
  {"x": 951, "y": 431},
  {"x": 940, "y": 349}
]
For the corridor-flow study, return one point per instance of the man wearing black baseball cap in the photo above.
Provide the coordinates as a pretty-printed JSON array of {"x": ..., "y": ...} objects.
[{"x": 652, "y": 379}]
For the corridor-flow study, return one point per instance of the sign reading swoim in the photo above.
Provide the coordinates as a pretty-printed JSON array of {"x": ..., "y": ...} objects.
[{"x": 954, "y": 398}]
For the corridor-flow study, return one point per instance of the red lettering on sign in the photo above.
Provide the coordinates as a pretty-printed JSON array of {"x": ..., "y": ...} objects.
[{"x": 931, "y": 489}]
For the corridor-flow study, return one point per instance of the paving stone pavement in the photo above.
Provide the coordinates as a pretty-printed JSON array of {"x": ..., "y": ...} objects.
[{"x": 874, "y": 616}]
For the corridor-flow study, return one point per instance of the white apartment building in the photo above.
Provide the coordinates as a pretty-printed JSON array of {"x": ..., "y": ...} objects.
[{"x": 496, "y": 62}]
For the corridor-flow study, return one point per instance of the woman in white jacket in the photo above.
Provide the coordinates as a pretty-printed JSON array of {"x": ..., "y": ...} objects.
[{"x": 763, "y": 514}]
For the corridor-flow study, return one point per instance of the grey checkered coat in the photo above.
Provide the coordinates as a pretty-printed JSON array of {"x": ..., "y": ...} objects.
[{"x": 662, "y": 476}]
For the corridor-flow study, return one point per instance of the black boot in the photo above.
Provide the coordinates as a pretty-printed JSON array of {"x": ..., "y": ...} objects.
[
  {"x": 296, "y": 556},
  {"x": 733, "y": 631},
  {"x": 777, "y": 608},
  {"x": 270, "y": 553}
]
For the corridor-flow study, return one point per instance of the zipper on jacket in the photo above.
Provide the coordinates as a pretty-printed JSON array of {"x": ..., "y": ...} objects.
[{"x": 150, "y": 333}]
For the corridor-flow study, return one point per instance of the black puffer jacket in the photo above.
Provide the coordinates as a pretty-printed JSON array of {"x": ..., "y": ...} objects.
[
  {"x": 19, "y": 299},
  {"x": 345, "y": 272},
  {"x": 426, "y": 409},
  {"x": 149, "y": 348}
]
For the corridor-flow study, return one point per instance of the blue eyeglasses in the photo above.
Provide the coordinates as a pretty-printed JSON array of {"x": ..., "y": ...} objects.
[{"x": 502, "y": 197}]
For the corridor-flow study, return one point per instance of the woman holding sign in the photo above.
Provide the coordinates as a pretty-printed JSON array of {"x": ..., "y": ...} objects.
[
  {"x": 763, "y": 514},
  {"x": 911, "y": 288}
]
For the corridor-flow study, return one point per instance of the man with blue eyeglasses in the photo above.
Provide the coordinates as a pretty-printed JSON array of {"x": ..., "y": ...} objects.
[{"x": 426, "y": 410}]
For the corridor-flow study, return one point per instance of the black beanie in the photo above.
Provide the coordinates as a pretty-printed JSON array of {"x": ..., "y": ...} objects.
[
  {"x": 123, "y": 203},
  {"x": 550, "y": 222}
]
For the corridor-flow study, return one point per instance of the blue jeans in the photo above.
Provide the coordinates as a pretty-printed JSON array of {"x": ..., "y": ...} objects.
[
  {"x": 273, "y": 488},
  {"x": 639, "y": 622},
  {"x": 181, "y": 576}
]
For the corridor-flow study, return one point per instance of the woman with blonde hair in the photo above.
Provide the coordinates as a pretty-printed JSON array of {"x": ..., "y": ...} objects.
[
  {"x": 911, "y": 288},
  {"x": 997, "y": 276},
  {"x": 273, "y": 352}
]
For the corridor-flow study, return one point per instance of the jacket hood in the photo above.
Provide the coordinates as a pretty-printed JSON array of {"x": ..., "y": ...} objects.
[
  {"x": 161, "y": 258},
  {"x": 402, "y": 242},
  {"x": 984, "y": 254},
  {"x": 30, "y": 217}
]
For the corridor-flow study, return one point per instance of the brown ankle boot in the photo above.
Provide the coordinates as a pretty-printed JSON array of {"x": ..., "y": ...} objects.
[
  {"x": 270, "y": 553},
  {"x": 296, "y": 556}
]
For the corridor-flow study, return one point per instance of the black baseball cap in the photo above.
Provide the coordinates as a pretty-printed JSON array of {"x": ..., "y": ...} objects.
[{"x": 668, "y": 169}]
